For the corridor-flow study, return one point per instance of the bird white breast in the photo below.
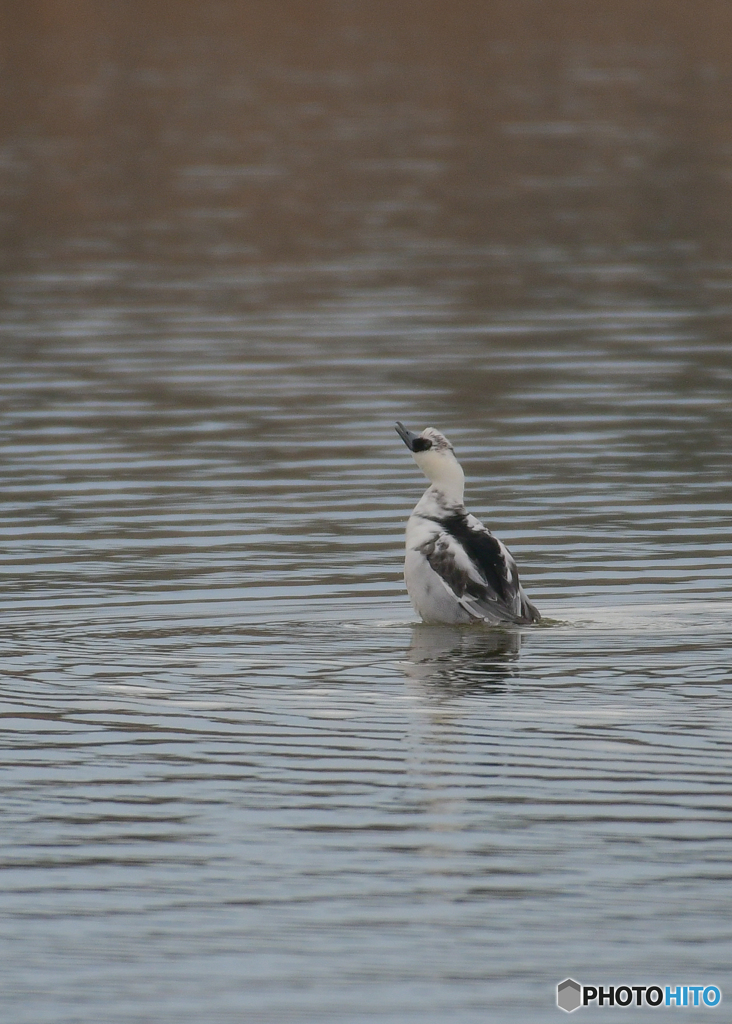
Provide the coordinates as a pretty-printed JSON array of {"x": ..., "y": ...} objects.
[{"x": 427, "y": 591}]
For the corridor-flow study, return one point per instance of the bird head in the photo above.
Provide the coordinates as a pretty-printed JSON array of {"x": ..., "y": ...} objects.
[{"x": 435, "y": 456}]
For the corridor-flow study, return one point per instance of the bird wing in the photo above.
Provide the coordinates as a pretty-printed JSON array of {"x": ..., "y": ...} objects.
[{"x": 478, "y": 569}]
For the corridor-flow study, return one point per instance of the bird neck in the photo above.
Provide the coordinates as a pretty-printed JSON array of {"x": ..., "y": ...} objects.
[
  {"x": 445, "y": 475},
  {"x": 436, "y": 503},
  {"x": 441, "y": 499}
]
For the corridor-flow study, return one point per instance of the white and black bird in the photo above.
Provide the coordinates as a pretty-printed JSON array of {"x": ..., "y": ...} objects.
[{"x": 456, "y": 571}]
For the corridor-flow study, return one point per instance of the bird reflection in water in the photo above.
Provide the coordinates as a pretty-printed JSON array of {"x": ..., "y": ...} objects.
[{"x": 450, "y": 661}]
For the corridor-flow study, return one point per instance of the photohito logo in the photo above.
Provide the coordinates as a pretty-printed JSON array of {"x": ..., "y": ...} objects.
[{"x": 571, "y": 995}]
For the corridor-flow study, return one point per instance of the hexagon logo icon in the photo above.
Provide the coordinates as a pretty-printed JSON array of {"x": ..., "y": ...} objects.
[{"x": 569, "y": 995}]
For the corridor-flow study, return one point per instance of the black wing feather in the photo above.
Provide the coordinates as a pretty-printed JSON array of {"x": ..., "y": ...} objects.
[
  {"x": 501, "y": 593},
  {"x": 486, "y": 553}
]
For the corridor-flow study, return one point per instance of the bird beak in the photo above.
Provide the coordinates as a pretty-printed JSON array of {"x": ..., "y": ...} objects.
[{"x": 407, "y": 436}]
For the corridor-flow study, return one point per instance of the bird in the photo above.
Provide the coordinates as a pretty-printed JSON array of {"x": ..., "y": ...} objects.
[{"x": 455, "y": 570}]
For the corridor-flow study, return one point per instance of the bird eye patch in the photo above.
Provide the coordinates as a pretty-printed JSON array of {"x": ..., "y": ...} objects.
[{"x": 421, "y": 444}]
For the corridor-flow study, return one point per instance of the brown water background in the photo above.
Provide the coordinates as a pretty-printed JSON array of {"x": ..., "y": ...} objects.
[{"x": 238, "y": 240}]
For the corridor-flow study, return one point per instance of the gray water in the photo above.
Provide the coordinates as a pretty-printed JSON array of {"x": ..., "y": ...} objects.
[{"x": 242, "y": 782}]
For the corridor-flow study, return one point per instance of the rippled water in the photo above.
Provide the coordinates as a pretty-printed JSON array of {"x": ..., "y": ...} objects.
[{"x": 242, "y": 782}]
